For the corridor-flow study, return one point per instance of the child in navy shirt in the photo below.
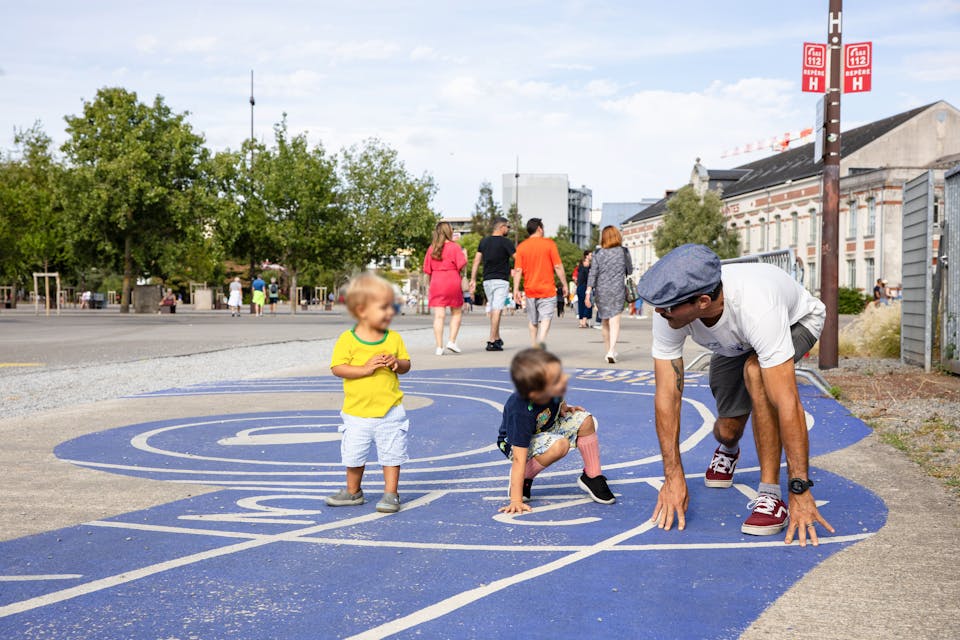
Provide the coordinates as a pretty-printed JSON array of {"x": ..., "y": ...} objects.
[{"x": 539, "y": 428}]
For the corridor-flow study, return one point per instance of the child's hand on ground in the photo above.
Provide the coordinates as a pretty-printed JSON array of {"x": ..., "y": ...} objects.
[{"x": 515, "y": 507}]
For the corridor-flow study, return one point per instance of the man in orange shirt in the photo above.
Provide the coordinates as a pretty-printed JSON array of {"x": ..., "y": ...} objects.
[{"x": 536, "y": 262}]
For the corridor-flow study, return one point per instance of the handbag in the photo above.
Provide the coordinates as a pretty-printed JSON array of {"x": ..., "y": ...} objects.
[{"x": 629, "y": 287}]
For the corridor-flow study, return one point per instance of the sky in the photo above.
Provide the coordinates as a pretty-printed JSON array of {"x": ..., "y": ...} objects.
[{"x": 620, "y": 96}]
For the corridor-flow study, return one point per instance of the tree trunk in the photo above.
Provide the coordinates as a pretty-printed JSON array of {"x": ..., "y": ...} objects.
[
  {"x": 294, "y": 292},
  {"x": 127, "y": 274}
]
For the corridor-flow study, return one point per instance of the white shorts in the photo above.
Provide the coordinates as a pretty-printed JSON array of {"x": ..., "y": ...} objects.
[
  {"x": 496, "y": 292},
  {"x": 389, "y": 432}
]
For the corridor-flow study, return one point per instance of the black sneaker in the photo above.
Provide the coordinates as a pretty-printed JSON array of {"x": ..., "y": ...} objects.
[
  {"x": 499, "y": 343},
  {"x": 597, "y": 488},
  {"x": 493, "y": 346}
]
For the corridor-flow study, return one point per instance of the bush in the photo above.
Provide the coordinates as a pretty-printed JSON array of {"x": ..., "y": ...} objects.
[{"x": 850, "y": 301}]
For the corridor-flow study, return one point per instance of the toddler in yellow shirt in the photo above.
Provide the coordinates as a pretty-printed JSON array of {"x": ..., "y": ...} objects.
[{"x": 369, "y": 358}]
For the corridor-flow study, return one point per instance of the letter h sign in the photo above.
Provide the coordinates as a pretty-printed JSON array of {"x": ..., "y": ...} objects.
[{"x": 857, "y": 67}]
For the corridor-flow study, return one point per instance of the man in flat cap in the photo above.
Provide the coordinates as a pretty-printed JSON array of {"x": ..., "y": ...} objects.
[{"x": 757, "y": 321}]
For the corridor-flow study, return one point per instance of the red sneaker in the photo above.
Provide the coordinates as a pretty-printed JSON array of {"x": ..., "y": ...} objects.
[
  {"x": 720, "y": 472},
  {"x": 769, "y": 516}
]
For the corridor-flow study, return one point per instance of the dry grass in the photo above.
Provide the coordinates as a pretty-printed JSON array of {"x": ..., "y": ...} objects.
[{"x": 875, "y": 333}]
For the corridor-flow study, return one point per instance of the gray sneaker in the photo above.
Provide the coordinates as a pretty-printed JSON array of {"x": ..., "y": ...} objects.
[
  {"x": 389, "y": 503},
  {"x": 344, "y": 498}
]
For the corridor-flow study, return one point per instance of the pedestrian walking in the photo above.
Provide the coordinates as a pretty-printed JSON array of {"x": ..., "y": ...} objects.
[
  {"x": 584, "y": 313},
  {"x": 495, "y": 252},
  {"x": 235, "y": 301},
  {"x": 605, "y": 287},
  {"x": 536, "y": 263},
  {"x": 442, "y": 264}
]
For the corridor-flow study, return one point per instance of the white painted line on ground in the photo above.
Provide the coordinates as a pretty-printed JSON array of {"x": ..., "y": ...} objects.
[
  {"x": 460, "y": 600},
  {"x": 50, "y": 576},
  {"x": 138, "y": 526},
  {"x": 160, "y": 567}
]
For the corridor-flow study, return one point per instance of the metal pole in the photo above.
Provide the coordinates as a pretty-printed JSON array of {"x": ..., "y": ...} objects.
[
  {"x": 516, "y": 201},
  {"x": 252, "y": 102},
  {"x": 831, "y": 191}
]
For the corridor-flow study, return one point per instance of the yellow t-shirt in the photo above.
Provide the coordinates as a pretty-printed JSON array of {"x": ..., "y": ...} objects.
[{"x": 370, "y": 396}]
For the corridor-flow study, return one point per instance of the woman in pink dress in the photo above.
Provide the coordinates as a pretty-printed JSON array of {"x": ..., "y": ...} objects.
[{"x": 443, "y": 263}]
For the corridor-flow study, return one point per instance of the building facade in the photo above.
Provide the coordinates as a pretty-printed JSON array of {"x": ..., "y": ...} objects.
[
  {"x": 550, "y": 197},
  {"x": 775, "y": 203}
]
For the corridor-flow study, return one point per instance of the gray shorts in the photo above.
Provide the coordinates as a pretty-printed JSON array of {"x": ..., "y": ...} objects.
[
  {"x": 496, "y": 292},
  {"x": 541, "y": 309},
  {"x": 726, "y": 375}
]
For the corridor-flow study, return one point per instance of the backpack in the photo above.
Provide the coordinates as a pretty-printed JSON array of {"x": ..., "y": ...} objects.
[{"x": 274, "y": 289}]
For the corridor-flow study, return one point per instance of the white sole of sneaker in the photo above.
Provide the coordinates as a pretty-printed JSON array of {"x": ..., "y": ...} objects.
[
  {"x": 769, "y": 530},
  {"x": 718, "y": 484},
  {"x": 583, "y": 486}
]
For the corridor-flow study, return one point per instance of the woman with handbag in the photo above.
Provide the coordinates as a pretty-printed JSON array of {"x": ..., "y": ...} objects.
[{"x": 607, "y": 288}]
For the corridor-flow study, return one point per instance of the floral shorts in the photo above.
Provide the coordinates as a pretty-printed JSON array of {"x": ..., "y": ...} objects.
[{"x": 565, "y": 428}]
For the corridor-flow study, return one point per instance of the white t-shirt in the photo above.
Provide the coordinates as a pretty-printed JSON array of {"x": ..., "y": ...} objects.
[{"x": 760, "y": 304}]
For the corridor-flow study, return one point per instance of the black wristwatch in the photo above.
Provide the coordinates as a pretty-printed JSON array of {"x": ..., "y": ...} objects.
[{"x": 799, "y": 486}]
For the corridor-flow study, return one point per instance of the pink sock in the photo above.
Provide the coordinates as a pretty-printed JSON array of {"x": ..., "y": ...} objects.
[
  {"x": 589, "y": 448},
  {"x": 533, "y": 468}
]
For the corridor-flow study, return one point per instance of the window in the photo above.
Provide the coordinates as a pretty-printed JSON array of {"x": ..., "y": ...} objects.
[
  {"x": 763, "y": 234},
  {"x": 871, "y": 217},
  {"x": 779, "y": 231},
  {"x": 870, "y": 275},
  {"x": 852, "y": 274},
  {"x": 794, "y": 229},
  {"x": 746, "y": 238},
  {"x": 814, "y": 227},
  {"x": 852, "y": 220},
  {"x": 812, "y": 283}
]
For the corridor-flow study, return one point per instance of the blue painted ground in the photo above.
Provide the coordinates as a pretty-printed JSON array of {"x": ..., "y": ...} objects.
[{"x": 264, "y": 557}]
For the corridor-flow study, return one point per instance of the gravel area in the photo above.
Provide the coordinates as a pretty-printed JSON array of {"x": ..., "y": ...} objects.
[
  {"x": 43, "y": 389},
  {"x": 914, "y": 411}
]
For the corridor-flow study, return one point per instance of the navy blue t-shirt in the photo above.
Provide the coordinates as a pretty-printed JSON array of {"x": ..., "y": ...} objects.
[{"x": 522, "y": 419}]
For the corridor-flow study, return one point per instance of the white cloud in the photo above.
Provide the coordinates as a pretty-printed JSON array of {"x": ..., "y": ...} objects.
[
  {"x": 601, "y": 88},
  {"x": 146, "y": 43},
  {"x": 364, "y": 50},
  {"x": 463, "y": 90},
  {"x": 933, "y": 66},
  {"x": 201, "y": 44},
  {"x": 423, "y": 53}
]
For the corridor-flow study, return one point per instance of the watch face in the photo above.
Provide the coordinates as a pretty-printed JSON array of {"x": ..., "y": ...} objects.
[{"x": 798, "y": 486}]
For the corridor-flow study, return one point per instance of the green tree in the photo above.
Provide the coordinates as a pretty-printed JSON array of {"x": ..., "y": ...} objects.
[
  {"x": 485, "y": 210},
  {"x": 388, "y": 210},
  {"x": 137, "y": 181},
  {"x": 34, "y": 228},
  {"x": 692, "y": 219},
  {"x": 518, "y": 226},
  {"x": 304, "y": 220},
  {"x": 570, "y": 253}
]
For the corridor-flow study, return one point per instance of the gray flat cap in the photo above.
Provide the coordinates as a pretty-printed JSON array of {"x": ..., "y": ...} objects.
[{"x": 688, "y": 270}]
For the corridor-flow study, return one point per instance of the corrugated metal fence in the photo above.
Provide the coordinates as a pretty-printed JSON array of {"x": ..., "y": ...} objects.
[
  {"x": 916, "y": 326},
  {"x": 950, "y": 245}
]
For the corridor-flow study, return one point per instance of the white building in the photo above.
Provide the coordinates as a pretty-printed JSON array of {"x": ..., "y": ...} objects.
[
  {"x": 775, "y": 203},
  {"x": 550, "y": 197}
]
